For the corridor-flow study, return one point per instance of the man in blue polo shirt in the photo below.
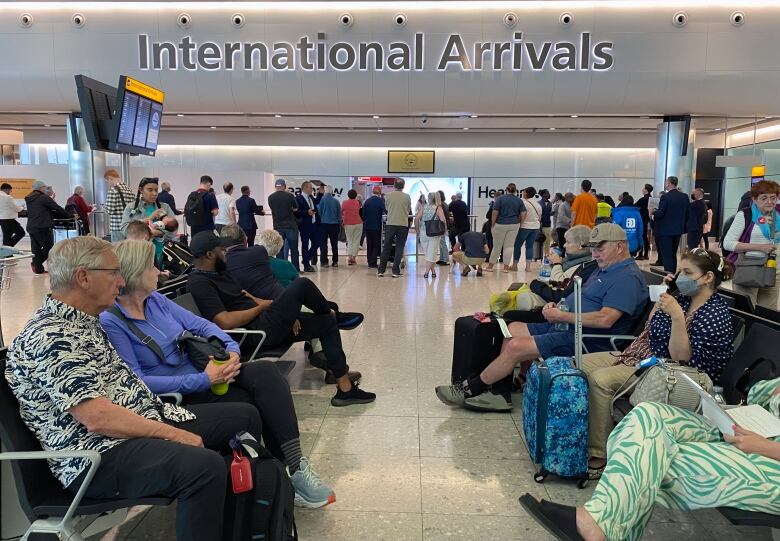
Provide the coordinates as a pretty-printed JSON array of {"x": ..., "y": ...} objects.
[{"x": 613, "y": 299}]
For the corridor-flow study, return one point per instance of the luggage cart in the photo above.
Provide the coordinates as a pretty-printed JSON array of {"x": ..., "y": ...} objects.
[
  {"x": 5, "y": 281},
  {"x": 391, "y": 256},
  {"x": 66, "y": 229}
]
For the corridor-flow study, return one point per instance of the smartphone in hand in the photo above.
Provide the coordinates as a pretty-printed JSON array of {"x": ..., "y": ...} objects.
[{"x": 672, "y": 286}]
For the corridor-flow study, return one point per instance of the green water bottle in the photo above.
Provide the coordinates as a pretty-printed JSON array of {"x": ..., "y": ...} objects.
[{"x": 220, "y": 388}]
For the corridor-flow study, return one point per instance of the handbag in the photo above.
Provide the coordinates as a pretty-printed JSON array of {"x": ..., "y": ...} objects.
[
  {"x": 342, "y": 234},
  {"x": 200, "y": 349},
  {"x": 663, "y": 384},
  {"x": 434, "y": 227},
  {"x": 753, "y": 272}
]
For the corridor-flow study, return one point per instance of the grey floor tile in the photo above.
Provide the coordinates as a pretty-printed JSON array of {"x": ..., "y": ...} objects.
[
  {"x": 367, "y": 435},
  {"x": 319, "y": 525},
  {"x": 471, "y": 438},
  {"x": 466, "y": 528}
]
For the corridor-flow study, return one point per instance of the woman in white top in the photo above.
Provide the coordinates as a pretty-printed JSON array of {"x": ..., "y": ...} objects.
[
  {"x": 529, "y": 230},
  {"x": 705, "y": 238},
  {"x": 762, "y": 216},
  {"x": 430, "y": 245}
]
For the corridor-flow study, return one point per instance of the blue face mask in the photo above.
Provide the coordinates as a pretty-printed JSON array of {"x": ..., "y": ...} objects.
[{"x": 687, "y": 285}]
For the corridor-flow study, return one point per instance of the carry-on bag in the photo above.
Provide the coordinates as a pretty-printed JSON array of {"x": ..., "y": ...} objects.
[
  {"x": 477, "y": 342},
  {"x": 555, "y": 410},
  {"x": 260, "y": 496}
]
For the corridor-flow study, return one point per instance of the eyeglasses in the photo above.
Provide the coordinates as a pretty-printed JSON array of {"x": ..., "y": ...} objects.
[{"x": 766, "y": 198}]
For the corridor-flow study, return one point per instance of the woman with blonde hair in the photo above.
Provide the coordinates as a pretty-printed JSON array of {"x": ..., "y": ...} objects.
[{"x": 430, "y": 245}]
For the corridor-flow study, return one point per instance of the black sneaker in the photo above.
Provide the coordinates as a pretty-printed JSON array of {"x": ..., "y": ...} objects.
[
  {"x": 335, "y": 265},
  {"x": 354, "y": 396},
  {"x": 324, "y": 265},
  {"x": 309, "y": 269}
]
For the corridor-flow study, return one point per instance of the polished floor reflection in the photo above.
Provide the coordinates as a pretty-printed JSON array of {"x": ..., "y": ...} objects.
[{"x": 406, "y": 468}]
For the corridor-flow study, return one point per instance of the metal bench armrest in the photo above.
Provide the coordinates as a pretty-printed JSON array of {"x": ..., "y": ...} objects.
[
  {"x": 246, "y": 332},
  {"x": 92, "y": 456}
]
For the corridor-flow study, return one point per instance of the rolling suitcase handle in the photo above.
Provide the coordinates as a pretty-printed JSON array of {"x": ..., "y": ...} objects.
[{"x": 577, "y": 322}]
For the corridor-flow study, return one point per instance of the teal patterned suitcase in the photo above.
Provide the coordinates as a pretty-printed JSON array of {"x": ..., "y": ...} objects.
[{"x": 555, "y": 411}]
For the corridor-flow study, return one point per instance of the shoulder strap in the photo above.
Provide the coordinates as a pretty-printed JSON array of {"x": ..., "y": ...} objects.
[
  {"x": 144, "y": 338},
  {"x": 121, "y": 196}
]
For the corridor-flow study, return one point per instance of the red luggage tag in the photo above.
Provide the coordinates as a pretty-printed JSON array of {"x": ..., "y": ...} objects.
[
  {"x": 241, "y": 473},
  {"x": 482, "y": 317}
]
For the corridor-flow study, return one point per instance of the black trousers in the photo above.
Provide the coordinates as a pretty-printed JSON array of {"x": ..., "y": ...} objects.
[
  {"x": 250, "y": 236},
  {"x": 195, "y": 476},
  {"x": 330, "y": 233},
  {"x": 41, "y": 241},
  {"x": 309, "y": 243},
  {"x": 278, "y": 321},
  {"x": 667, "y": 246},
  {"x": 706, "y": 238},
  {"x": 397, "y": 233},
  {"x": 260, "y": 383},
  {"x": 13, "y": 232},
  {"x": 646, "y": 246},
  {"x": 373, "y": 246},
  {"x": 694, "y": 238},
  {"x": 559, "y": 233}
]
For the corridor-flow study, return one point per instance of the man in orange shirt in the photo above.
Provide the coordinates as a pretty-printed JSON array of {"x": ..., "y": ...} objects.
[{"x": 584, "y": 208}]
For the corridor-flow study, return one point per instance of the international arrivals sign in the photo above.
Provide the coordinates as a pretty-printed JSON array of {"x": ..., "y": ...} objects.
[{"x": 318, "y": 54}]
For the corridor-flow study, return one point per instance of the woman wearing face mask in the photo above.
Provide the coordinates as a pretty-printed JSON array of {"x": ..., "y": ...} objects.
[{"x": 692, "y": 327}]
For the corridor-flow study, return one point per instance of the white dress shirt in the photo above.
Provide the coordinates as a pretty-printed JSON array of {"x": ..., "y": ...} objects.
[{"x": 8, "y": 208}]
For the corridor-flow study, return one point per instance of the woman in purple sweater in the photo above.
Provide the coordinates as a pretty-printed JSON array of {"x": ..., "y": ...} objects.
[{"x": 256, "y": 382}]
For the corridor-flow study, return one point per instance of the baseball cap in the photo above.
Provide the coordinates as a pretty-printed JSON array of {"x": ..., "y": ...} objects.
[
  {"x": 605, "y": 232},
  {"x": 205, "y": 241},
  {"x": 38, "y": 185},
  {"x": 280, "y": 183}
]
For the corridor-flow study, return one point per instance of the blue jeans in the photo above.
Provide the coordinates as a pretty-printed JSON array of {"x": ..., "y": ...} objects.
[
  {"x": 290, "y": 237},
  {"x": 527, "y": 236}
]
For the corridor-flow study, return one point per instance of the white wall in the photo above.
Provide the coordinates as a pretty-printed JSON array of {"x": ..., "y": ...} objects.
[{"x": 612, "y": 170}]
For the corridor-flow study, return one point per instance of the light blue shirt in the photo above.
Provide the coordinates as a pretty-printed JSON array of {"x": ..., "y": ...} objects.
[
  {"x": 165, "y": 321},
  {"x": 329, "y": 209}
]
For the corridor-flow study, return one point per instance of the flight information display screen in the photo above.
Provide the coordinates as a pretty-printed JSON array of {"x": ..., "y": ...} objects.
[{"x": 140, "y": 117}]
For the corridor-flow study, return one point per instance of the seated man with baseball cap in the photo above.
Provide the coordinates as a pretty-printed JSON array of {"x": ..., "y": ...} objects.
[
  {"x": 613, "y": 299},
  {"x": 222, "y": 300}
]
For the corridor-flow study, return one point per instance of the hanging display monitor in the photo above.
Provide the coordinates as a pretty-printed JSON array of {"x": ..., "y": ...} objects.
[{"x": 138, "y": 118}]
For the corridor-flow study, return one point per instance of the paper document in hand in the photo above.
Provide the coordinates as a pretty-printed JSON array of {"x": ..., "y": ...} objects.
[
  {"x": 753, "y": 418},
  {"x": 756, "y": 419}
]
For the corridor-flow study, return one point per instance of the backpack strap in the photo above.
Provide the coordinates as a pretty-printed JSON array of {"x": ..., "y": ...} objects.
[
  {"x": 144, "y": 338},
  {"x": 121, "y": 196}
]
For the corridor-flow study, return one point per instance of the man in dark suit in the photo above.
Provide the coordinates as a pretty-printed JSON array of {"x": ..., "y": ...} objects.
[
  {"x": 697, "y": 217},
  {"x": 165, "y": 196},
  {"x": 307, "y": 224},
  {"x": 670, "y": 218},
  {"x": 247, "y": 208}
]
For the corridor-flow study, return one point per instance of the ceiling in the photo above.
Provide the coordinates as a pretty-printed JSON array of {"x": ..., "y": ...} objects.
[{"x": 401, "y": 124}]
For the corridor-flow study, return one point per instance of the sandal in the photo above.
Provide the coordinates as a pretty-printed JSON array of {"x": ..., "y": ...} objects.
[
  {"x": 425, "y": 275},
  {"x": 433, "y": 274},
  {"x": 559, "y": 520}
]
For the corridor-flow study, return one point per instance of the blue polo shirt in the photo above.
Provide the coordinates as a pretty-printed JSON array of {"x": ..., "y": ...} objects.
[
  {"x": 620, "y": 286},
  {"x": 373, "y": 209}
]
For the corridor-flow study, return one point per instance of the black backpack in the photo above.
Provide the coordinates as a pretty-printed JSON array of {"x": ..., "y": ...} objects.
[
  {"x": 195, "y": 209},
  {"x": 267, "y": 511}
]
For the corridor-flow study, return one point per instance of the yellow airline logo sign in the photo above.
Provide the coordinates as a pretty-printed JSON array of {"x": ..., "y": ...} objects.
[{"x": 142, "y": 89}]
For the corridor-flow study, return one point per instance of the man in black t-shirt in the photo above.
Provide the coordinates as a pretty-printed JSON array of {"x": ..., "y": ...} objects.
[
  {"x": 283, "y": 206},
  {"x": 210, "y": 206},
  {"x": 222, "y": 300}
]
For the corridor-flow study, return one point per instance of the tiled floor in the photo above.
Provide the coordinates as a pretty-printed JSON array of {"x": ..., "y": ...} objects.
[{"x": 406, "y": 467}]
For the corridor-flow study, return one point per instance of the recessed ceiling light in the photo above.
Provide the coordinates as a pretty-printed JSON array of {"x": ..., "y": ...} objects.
[
  {"x": 474, "y": 116},
  {"x": 277, "y": 116},
  {"x": 465, "y": 128},
  {"x": 180, "y": 115},
  {"x": 47, "y": 125},
  {"x": 551, "y": 129},
  {"x": 213, "y": 127},
  {"x": 296, "y": 128},
  {"x": 376, "y": 116},
  {"x": 575, "y": 116},
  {"x": 644, "y": 117},
  {"x": 380, "y": 129}
]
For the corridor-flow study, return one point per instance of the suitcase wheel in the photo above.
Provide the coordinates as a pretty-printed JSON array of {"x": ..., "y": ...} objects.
[
  {"x": 582, "y": 483},
  {"x": 540, "y": 476}
]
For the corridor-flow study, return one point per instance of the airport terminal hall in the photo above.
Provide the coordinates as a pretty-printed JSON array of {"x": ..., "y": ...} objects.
[{"x": 439, "y": 270}]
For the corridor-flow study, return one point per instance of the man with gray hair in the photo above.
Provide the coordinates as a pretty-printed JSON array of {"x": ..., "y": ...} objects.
[
  {"x": 76, "y": 394},
  {"x": 398, "y": 205},
  {"x": 42, "y": 210},
  {"x": 165, "y": 196}
]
